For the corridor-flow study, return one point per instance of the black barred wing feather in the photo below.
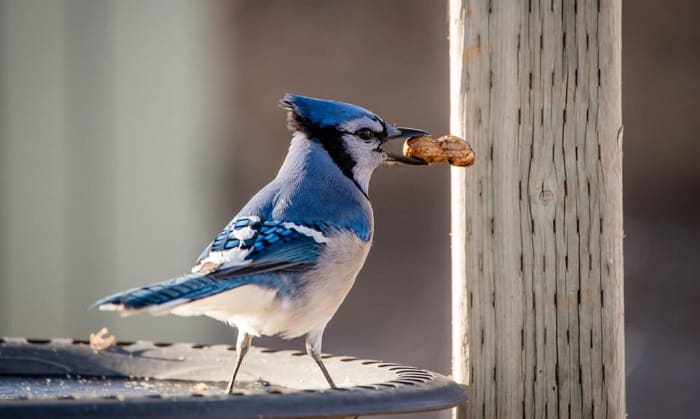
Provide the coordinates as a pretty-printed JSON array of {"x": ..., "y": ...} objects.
[{"x": 250, "y": 245}]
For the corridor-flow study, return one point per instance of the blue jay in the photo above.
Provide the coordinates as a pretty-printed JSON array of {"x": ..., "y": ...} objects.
[{"x": 287, "y": 260}]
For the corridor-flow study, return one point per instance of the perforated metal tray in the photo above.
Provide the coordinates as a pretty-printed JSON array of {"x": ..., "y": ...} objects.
[{"x": 65, "y": 377}]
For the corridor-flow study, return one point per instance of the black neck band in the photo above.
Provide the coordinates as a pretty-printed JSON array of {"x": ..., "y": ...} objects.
[{"x": 332, "y": 141}]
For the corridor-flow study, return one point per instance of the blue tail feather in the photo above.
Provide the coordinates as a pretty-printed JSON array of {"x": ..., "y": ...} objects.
[{"x": 188, "y": 288}]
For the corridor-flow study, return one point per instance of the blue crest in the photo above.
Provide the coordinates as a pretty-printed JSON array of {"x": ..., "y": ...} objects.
[{"x": 322, "y": 113}]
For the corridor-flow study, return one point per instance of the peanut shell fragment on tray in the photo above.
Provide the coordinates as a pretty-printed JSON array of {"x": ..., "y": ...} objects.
[
  {"x": 446, "y": 149},
  {"x": 102, "y": 340}
]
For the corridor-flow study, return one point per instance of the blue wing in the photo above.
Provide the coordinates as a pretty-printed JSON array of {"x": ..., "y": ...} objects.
[
  {"x": 250, "y": 245},
  {"x": 247, "y": 251}
]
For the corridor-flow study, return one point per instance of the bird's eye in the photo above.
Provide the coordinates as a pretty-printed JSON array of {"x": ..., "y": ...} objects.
[{"x": 365, "y": 133}]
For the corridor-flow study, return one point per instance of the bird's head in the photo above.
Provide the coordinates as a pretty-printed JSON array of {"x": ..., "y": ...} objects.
[{"x": 352, "y": 136}]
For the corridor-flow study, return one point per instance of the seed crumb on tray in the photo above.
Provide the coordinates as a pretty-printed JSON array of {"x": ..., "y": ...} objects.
[{"x": 102, "y": 340}]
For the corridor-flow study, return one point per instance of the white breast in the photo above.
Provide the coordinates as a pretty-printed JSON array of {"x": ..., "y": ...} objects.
[{"x": 328, "y": 285}]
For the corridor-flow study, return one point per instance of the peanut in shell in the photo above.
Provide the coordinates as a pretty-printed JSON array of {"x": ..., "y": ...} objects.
[{"x": 446, "y": 149}]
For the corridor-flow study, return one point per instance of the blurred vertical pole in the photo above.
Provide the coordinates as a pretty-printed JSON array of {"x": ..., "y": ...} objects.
[
  {"x": 162, "y": 115},
  {"x": 108, "y": 121},
  {"x": 538, "y": 324},
  {"x": 89, "y": 159},
  {"x": 33, "y": 172}
]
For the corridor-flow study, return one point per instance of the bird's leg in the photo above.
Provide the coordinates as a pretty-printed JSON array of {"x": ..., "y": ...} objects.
[
  {"x": 242, "y": 345},
  {"x": 313, "y": 348}
]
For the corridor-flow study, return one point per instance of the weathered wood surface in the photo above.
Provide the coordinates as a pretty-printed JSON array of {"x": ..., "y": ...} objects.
[{"x": 537, "y": 222}]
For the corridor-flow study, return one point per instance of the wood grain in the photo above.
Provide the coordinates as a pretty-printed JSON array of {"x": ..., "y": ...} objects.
[{"x": 537, "y": 222}]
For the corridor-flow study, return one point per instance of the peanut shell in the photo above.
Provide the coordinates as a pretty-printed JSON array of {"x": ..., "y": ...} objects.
[{"x": 446, "y": 149}]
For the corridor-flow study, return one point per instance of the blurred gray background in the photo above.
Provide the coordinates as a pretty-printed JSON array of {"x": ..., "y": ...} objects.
[{"x": 132, "y": 131}]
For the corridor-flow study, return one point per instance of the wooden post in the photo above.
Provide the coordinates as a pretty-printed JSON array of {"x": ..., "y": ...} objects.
[{"x": 537, "y": 223}]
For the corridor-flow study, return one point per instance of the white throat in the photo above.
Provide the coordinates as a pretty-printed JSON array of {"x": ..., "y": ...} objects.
[{"x": 366, "y": 160}]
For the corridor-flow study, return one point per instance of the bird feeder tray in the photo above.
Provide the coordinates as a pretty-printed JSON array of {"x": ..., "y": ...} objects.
[{"x": 67, "y": 378}]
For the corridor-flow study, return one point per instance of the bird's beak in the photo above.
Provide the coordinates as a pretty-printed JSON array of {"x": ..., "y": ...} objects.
[{"x": 401, "y": 133}]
